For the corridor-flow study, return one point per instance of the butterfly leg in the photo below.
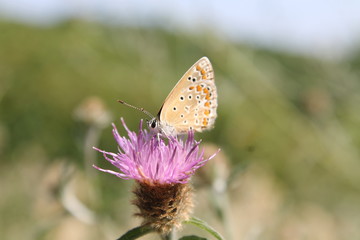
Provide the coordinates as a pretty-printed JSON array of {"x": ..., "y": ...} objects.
[{"x": 158, "y": 136}]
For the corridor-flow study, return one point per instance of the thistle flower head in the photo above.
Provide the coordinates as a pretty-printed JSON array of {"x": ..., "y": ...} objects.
[
  {"x": 146, "y": 157},
  {"x": 162, "y": 169}
]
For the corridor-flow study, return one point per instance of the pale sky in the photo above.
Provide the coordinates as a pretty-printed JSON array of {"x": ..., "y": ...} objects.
[{"x": 323, "y": 27}]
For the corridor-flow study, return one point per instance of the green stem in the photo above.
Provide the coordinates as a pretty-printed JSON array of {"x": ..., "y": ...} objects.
[
  {"x": 203, "y": 225},
  {"x": 136, "y": 233},
  {"x": 169, "y": 236}
]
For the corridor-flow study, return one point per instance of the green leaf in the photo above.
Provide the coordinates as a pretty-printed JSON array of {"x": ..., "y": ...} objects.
[
  {"x": 192, "y": 237},
  {"x": 136, "y": 233},
  {"x": 203, "y": 225}
]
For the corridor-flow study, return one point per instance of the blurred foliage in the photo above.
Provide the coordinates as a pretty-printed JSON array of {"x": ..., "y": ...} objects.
[{"x": 296, "y": 118}]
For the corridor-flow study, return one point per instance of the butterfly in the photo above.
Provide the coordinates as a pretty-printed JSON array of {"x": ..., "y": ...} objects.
[{"x": 190, "y": 106}]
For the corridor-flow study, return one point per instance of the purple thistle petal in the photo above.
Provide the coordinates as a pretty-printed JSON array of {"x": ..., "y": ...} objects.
[
  {"x": 144, "y": 156},
  {"x": 111, "y": 172}
]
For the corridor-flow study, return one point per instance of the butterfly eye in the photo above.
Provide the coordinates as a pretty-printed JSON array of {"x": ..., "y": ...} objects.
[{"x": 153, "y": 124}]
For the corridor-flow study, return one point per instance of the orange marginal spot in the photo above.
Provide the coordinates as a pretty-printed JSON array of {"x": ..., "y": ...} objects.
[
  {"x": 207, "y": 97},
  {"x": 207, "y": 112},
  {"x": 204, "y": 77},
  {"x": 198, "y": 88},
  {"x": 206, "y": 90},
  {"x": 198, "y": 68},
  {"x": 203, "y": 71},
  {"x": 191, "y": 88},
  {"x": 207, "y": 104},
  {"x": 205, "y": 122}
]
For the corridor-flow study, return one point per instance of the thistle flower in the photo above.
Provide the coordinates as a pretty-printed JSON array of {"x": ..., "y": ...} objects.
[{"x": 162, "y": 169}]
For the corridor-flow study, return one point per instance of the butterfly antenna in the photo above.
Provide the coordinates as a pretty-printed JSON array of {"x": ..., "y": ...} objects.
[{"x": 137, "y": 108}]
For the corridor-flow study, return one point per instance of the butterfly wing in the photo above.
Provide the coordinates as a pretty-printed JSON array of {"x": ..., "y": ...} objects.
[{"x": 192, "y": 103}]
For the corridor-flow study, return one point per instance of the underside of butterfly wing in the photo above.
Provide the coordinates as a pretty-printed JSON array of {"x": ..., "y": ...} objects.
[{"x": 192, "y": 104}]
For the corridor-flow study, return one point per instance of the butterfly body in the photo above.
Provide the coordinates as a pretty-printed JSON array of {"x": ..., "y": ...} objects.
[{"x": 191, "y": 105}]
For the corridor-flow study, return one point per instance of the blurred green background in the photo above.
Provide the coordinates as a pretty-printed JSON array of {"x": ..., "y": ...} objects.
[{"x": 288, "y": 127}]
